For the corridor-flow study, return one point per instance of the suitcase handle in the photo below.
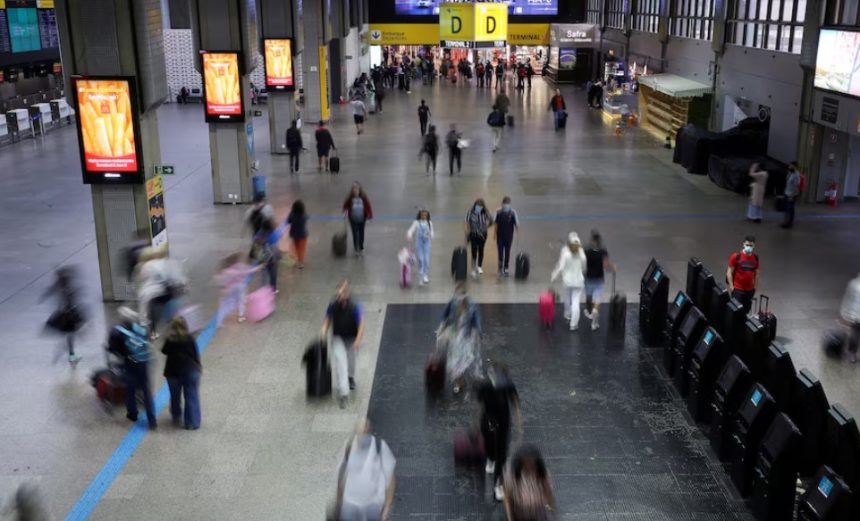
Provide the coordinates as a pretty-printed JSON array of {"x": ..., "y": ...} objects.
[{"x": 763, "y": 300}]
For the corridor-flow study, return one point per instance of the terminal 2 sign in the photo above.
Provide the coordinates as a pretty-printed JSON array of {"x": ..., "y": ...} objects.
[{"x": 473, "y": 25}]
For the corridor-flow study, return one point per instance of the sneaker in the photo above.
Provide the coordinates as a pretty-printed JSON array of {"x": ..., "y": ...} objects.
[
  {"x": 480, "y": 271},
  {"x": 475, "y": 273},
  {"x": 595, "y": 325},
  {"x": 341, "y": 402},
  {"x": 499, "y": 492},
  {"x": 491, "y": 467},
  {"x": 352, "y": 384},
  {"x": 567, "y": 317},
  {"x": 73, "y": 359},
  {"x": 587, "y": 314},
  {"x": 574, "y": 327},
  {"x": 426, "y": 279},
  {"x": 241, "y": 319}
]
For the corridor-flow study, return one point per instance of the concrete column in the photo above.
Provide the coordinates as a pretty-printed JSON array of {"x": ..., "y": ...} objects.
[
  {"x": 810, "y": 134},
  {"x": 315, "y": 62},
  {"x": 277, "y": 21},
  {"x": 121, "y": 38},
  {"x": 229, "y": 25}
]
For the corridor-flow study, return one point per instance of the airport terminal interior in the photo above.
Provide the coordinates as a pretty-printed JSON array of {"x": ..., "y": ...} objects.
[{"x": 643, "y": 416}]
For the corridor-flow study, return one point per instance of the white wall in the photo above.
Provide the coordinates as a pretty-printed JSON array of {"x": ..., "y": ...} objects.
[
  {"x": 756, "y": 77},
  {"x": 691, "y": 59},
  {"x": 645, "y": 45},
  {"x": 352, "y": 56}
]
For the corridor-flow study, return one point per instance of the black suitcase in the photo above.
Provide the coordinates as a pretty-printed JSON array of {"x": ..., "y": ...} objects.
[
  {"x": 522, "y": 266},
  {"x": 434, "y": 374},
  {"x": 617, "y": 309},
  {"x": 317, "y": 369},
  {"x": 767, "y": 319},
  {"x": 562, "y": 120},
  {"x": 459, "y": 268},
  {"x": 833, "y": 343},
  {"x": 334, "y": 164},
  {"x": 510, "y": 120},
  {"x": 338, "y": 244}
]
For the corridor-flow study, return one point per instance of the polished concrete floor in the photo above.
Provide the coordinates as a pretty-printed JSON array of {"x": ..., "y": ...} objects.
[{"x": 263, "y": 451}]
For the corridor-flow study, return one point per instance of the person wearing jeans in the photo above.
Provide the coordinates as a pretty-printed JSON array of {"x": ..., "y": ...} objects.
[
  {"x": 478, "y": 221},
  {"x": 571, "y": 265},
  {"x": 128, "y": 341},
  {"x": 344, "y": 319},
  {"x": 357, "y": 210},
  {"x": 507, "y": 223},
  {"x": 557, "y": 106},
  {"x": 182, "y": 370},
  {"x": 421, "y": 234}
]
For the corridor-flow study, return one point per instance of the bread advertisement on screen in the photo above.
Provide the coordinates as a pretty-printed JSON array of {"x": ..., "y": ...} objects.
[
  {"x": 223, "y": 88},
  {"x": 279, "y": 64},
  {"x": 107, "y": 128}
]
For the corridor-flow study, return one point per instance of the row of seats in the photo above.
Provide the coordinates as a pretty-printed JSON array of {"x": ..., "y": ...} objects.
[{"x": 766, "y": 422}]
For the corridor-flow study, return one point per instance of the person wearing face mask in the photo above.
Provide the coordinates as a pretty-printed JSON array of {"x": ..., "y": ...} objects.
[
  {"x": 478, "y": 222},
  {"x": 507, "y": 223},
  {"x": 742, "y": 273},
  {"x": 421, "y": 233}
]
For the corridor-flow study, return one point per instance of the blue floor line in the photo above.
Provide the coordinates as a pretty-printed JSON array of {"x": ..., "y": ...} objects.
[
  {"x": 611, "y": 217},
  {"x": 114, "y": 465}
]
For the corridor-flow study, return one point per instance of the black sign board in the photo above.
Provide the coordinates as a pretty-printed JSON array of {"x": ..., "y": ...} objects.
[
  {"x": 829, "y": 110},
  {"x": 48, "y": 29},
  {"x": 5, "y": 40}
]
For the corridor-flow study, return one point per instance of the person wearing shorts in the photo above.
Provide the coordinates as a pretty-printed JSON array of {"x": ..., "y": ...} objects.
[
  {"x": 596, "y": 264},
  {"x": 325, "y": 142},
  {"x": 359, "y": 112}
]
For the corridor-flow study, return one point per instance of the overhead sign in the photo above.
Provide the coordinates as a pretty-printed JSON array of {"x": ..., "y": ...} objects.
[
  {"x": 470, "y": 25},
  {"x": 528, "y": 34},
  {"x": 572, "y": 35},
  {"x": 403, "y": 34},
  {"x": 280, "y": 70},
  {"x": 223, "y": 87},
  {"x": 108, "y": 129}
]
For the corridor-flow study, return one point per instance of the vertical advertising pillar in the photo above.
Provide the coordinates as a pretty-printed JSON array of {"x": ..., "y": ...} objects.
[{"x": 280, "y": 48}]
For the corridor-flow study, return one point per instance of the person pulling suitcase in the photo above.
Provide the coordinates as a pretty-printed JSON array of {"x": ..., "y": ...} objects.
[
  {"x": 596, "y": 265},
  {"x": 345, "y": 320},
  {"x": 499, "y": 398}
]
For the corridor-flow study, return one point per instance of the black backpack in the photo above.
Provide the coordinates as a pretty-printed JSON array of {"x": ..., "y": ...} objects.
[{"x": 256, "y": 220}]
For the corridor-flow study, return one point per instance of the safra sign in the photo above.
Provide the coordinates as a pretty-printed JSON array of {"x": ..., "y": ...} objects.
[{"x": 473, "y": 25}]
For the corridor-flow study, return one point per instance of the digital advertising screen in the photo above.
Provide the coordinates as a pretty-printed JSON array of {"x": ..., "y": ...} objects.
[
  {"x": 222, "y": 87},
  {"x": 837, "y": 66},
  {"x": 515, "y": 7},
  {"x": 108, "y": 129},
  {"x": 280, "y": 71}
]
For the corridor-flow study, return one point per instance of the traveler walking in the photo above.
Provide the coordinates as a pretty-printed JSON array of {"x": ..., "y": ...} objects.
[
  {"x": 455, "y": 151},
  {"x": 521, "y": 76},
  {"x": 757, "y": 189},
  {"x": 294, "y": 145},
  {"x": 500, "y": 72},
  {"x": 589, "y": 92},
  {"x": 233, "y": 280},
  {"x": 459, "y": 334},
  {"x": 498, "y": 395},
  {"x": 265, "y": 252},
  {"x": 159, "y": 282},
  {"x": 742, "y": 273},
  {"x": 365, "y": 479},
  {"x": 430, "y": 148},
  {"x": 379, "y": 97},
  {"x": 507, "y": 223},
  {"x": 528, "y": 487},
  {"x": 359, "y": 112},
  {"x": 477, "y": 223},
  {"x": 488, "y": 72},
  {"x": 529, "y": 72},
  {"x": 571, "y": 265},
  {"x": 793, "y": 189},
  {"x": 503, "y": 103},
  {"x": 325, "y": 143},
  {"x": 297, "y": 220},
  {"x": 182, "y": 370},
  {"x": 850, "y": 312},
  {"x": 260, "y": 212},
  {"x": 357, "y": 210},
  {"x": 68, "y": 317},
  {"x": 344, "y": 319},
  {"x": 479, "y": 73},
  {"x": 423, "y": 116},
  {"x": 596, "y": 265},
  {"x": 496, "y": 121},
  {"x": 128, "y": 341},
  {"x": 421, "y": 234},
  {"x": 557, "y": 106}
]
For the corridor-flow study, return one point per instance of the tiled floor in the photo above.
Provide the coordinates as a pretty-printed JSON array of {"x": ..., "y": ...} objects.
[{"x": 263, "y": 451}]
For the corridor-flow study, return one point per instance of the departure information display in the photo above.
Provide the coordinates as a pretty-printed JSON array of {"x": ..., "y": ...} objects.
[
  {"x": 515, "y": 7},
  {"x": 48, "y": 29},
  {"x": 5, "y": 40},
  {"x": 28, "y": 25}
]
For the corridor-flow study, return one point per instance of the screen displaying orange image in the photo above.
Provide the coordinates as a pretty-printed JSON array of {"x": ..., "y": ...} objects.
[
  {"x": 221, "y": 77},
  {"x": 107, "y": 126},
  {"x": 279, "y": 63}
]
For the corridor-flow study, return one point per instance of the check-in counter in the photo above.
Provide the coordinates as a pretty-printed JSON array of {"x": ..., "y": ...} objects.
[
  {"x": 62, "y": 110},
  {"x": 18, "y": 121},
  {"x": 4, "y": 129}
]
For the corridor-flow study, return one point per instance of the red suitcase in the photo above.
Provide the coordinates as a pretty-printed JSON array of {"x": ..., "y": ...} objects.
[{"x": 546, "y": 308}]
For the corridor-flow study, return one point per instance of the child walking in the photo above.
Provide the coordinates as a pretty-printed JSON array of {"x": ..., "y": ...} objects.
[
  {"x": 421, "y": 233},
  {"x": 233, "y": 281}
]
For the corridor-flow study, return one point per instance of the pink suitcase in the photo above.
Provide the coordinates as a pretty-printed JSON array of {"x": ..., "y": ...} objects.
[
  {"x": 546, "y": 308},
  {"x": 260, "y": 304}
]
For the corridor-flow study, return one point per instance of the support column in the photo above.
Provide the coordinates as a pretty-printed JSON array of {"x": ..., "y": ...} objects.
[
  {"x": 118, "y": 38},
  {"x": 315, "y": 77},
  {"x": 229, "y": 25},
  {"x": 277, "y": 21}
]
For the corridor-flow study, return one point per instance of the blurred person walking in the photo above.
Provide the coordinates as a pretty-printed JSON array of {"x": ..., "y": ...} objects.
[
  {"x": 596, "y": 265},
  {"x": 503, "y": 102},
  {"x": 421, "y": 234},
  {"x": 233, "y": 280},
  {"x": 259, "y": 212},
  {"x": 850, "y": 312},
  {"x": 359, "y": 113},
  {"x": 459, "y": 335},
  {"x": 498, "y": 396},
  {"x": 297, "y": 220},
  {"x": 528, "y": 487},
  {"x": 477, "y": 223},
  {"x": 455, "y": 150},
  {"x": 423, "y": 116},
  {"x": 506, "y": 225},
  {"x": 182, "y": 370},
  {"x": 128, "y": 341},
  {"x": 294, "y": 145},
  {"x": 69, "y": 316},
  {"x": 571, "y": 265},
  {"x": 357, "y": 210},
  {"x": 430, "y": 148},
  {"x": 365, "y": 478},
  {"x": 160, "y": 283},
  {"x": 265, "y": 252},
  {"x": 557, "y": 106},
  {"x": 757, "y": 188},
  {"x": 345, "y": 320},
  {"x": 496, "y": 121}
]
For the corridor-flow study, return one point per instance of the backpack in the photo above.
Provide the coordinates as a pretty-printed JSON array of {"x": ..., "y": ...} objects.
[
  {"x": 477, "y": 224},
  {"x": 136, "y": 343},
  {"x": 256, "y": 219},
  {"x": 495, "y": 119}
]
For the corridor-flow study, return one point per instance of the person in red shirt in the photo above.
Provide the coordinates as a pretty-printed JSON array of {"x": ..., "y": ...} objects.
[
  {"x": 557, "y": 106},
  {"x": 742, "y": 273}
]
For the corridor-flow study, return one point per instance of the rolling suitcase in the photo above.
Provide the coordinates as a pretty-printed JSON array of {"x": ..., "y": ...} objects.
[
  {"x": 260, "y": 304},
  {"x": 833, "y": 343},
  {"x": 562, "y": 120},
  {"x": 522, "y": 266},
  {"x": 317, "y": 370},
  {"x": 434, "y": 373},
  {"x": 510, "y": 120},
  {"x": 338, "y": 243},
  {"x": 617, "y": 309},
  {"x": 469, "y": 448},
  {"x": 767, "y": 319},
  {"x": 334, "y": 164},
  {"x": 110, "y": 388},
  {"x": 546, "y": 308},
  {"x": 459, "y": 268}
]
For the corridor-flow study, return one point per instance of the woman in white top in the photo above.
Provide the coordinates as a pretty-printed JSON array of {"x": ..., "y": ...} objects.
[
  {"x": 421, "y": 233},
  {"x": 571, "y": 266}
]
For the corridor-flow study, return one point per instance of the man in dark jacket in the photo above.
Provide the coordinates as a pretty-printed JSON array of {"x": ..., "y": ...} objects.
[
  {"x": 455, "y": 153},
  {"x": 325, "y": 142},
  {"x": 496, "y": 121},
  {"x": 294, "y": 145}
]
